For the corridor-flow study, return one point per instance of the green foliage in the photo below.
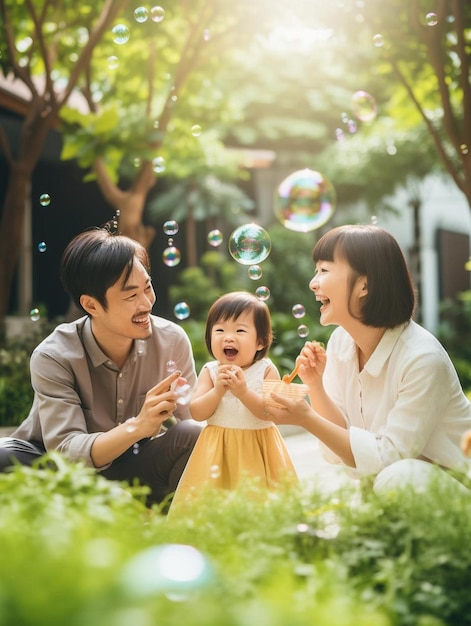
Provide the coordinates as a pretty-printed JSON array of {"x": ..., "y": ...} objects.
[
  {"x": 78, "y": 549},
  {"x": 16, "y": 393}
]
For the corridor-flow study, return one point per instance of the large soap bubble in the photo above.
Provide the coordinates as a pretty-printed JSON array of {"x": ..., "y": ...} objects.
[
  {"x": 249, "y": 244},
  {"x": 305, "y": 200}
]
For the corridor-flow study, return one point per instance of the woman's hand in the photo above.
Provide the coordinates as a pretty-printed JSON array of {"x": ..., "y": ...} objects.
[
  {"x": 282, "y": 410},
  {"x": 312, "y": 360}
]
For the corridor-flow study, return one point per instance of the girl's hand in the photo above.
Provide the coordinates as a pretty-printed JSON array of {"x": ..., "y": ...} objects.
[
  {"x": 312, "y": 360},
  {"x": 234, "y": 379}
]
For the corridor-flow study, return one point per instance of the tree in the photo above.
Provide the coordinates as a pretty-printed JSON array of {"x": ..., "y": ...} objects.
[
  {"x": 60, "y": 50},
  {"x": 34, "y": 42}
]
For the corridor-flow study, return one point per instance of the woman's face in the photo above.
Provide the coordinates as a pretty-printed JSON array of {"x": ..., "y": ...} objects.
[{"x": 331, "y": 287}]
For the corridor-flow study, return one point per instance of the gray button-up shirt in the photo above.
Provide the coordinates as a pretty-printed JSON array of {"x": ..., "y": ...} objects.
[{"x": 79, "y": 392}]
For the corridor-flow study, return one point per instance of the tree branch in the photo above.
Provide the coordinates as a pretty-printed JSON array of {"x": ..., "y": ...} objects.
[{"x": 464, "y": 71}]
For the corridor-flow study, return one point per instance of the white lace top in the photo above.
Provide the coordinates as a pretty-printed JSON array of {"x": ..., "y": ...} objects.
[{"x": 231, "y": 412}]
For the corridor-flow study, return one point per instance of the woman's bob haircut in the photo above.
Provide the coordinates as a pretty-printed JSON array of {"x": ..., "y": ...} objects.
[
  {"x": 374, "y": 253},
  {"x": 230, "y": 306}
]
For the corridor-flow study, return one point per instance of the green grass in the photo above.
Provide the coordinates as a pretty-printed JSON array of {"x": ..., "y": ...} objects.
[{"x": 79, "y": 550}]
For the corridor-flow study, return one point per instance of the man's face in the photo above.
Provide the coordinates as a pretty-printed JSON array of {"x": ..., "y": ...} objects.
[{"x": 129, "y": 307}]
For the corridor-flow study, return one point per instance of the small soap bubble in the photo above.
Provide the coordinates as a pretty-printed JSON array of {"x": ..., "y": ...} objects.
[
  {"x": 344, "y": 117},
  {"x": 120, "y": 33},
  {"x": 378, "y": 40},
  {"x": 339, "y": 134},
  {"x": 305, "y": 200},
  {"x": 262, "y": 293},
  {"x": 135, "y": 448},
  {"x": 374, "y": 220},
  {"x": 171, "y": 366},
  {"x": 464, "y": 148},
  {"x": 183, "y": 391},
  {"x": 157, "y": 14},
  {"x": 181, "y": 310},
  {"x": 113, "y": 62},
  {"x": 141, "y": 14},
  {"x": 35, "y": 315},
  {"x": 215, "y": 471},
  {"x": 158, "y": 165},
  {"x": 215, "y": 238},
  {"x": 167, "y": 569},
  {"x": 255, "y": 272},
  {"x": 249, "y": 244},
  {"x": 131, "y": 425},
  {"x": 170, "y": 227},
  {"x": 206, "y": 34},
  {"x": 42, "y": 247},
  {"x": 141, "y": 347},
  {"x": 431, "y": 19},
  {"x": 44, "y": 199},
  {"x": 364, "y": 106},
  {"x": 136, "y": 162},
  {"x": 352, "y": 126},
  {"x": 298, "y": 311},
  {"x": 303, "y": 330},
  {"x": 196, "y": 130},
  {"x": 171, "y": 256},
  {"x": 391, "y": 147}
]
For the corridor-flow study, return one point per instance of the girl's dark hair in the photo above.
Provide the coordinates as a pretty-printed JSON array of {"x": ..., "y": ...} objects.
[
  {"x": 95, "y": 260},
  {"x": 373, "y": 252},
  {"x": 230, "y": 306}
]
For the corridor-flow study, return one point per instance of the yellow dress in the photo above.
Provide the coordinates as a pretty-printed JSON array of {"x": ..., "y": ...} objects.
[{"x": 235, "y": 444}]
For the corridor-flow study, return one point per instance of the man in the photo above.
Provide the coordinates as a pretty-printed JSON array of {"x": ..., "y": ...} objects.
[{"x": 101, "y": 384}]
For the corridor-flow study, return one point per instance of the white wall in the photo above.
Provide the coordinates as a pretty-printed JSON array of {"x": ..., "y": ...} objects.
[{"x": 443, "y": 207}]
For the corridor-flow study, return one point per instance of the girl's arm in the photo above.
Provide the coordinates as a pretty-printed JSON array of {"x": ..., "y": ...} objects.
[{"x": 206, "y": 396}]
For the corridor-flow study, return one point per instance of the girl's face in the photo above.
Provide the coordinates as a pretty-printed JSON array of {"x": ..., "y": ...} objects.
[
  {"x": 331, "y": 286},
  {"x": 235, "y": 340}
]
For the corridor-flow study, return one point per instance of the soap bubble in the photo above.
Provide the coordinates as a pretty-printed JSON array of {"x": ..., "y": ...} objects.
[
  {"x": 303, "y": 330},
  {"x": 34, "y": 315},
  {"x": 364, "y": 106},
  {"x": 305, "y": 200},
  {"x": 183, "y": 391},
  {"x": 255, "y": 272},
  {"x": 171, "y": 366},
  {"x": 42, "y": 247},
  {"x": 215, "y": 471},
  {"x": 196, "y": 130},
  {"x": 120, "y": 33},
  {"x": 249, "y": 244},
  {"x": 141, "y": 14},
  {"x": 157, "y": 14},
  {"x": 174, "y": 570},
  {"x": 158, "y": 165},
  {"x": 431, "y": 19},
  {"x": 262, "y": 293},
  {"x": 171, "y": 256},
  {"x": 113, "y": 62},
  {"x": 44, "y": 199},
  {"x": 215, "y": 238},
  {"x": 170, "y": 227},
  {"x": 298, "y": 311},
  {"x": 181, "y": 310},
  {"x": 378, "y": 40}
]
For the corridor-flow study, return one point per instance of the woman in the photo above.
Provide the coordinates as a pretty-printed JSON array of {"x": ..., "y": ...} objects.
[{"x": 385, "y": 397}]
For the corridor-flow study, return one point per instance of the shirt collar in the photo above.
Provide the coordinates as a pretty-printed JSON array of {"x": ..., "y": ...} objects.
[
  {"x": 384, "y": 349},
  {"x": 96, "y": 354}
]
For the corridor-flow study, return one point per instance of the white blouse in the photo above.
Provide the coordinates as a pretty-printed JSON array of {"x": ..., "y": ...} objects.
[{"x": 407, "y": 402}]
